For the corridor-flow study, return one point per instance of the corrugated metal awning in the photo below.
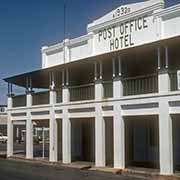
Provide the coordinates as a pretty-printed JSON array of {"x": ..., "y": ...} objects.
[{"x": 40, "y": 78}]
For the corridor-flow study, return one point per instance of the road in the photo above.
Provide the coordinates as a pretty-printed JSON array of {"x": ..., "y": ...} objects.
[{"x": 12, "y": 170}]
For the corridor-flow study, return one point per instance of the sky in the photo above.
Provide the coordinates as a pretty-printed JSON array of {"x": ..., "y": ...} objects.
[{"x": 27, "y": 25}]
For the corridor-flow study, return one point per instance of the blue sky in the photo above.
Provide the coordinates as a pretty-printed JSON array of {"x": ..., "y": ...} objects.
[{"x": 26, "y": 25}]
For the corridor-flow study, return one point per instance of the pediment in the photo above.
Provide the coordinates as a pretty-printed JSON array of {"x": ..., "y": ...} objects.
[{"x": 128, "y": 9}]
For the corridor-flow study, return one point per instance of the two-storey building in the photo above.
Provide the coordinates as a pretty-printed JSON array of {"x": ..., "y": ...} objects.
[{"x": 111, "y": 96}]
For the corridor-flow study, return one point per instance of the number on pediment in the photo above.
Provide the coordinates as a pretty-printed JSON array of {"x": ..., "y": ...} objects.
[{"x": 121, "y": 12}]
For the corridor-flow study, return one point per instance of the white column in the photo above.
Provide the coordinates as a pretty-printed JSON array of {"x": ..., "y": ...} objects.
[
  {"x": 119, "y": 132},
  {"x": 66, "y": 122},
  {"x": 163, "y": 77},
  {"x": 119, "y": 126},
  {"x": 66, "y": 51},
  {"x": 164, "y": 81},
  {"x": 90, "y": 42},
  {"x": 165, "y": 121},
  {"x": 100, "y": 157},
  {"x": 29, "y": 127},
  {"x": 9, "y": 128},
  {"x": 44, "y": 56},
  {"x": 159, "y": 32},
  {"x": 53, "y": 143},
  {"x": 66, "y": 128},
  {"x": 165, "y": 138}
]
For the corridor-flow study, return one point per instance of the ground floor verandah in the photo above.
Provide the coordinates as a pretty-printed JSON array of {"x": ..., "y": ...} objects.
[{"x": 141, "y": 136}]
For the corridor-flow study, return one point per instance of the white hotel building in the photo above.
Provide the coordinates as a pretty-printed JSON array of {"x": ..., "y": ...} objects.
[{"x": 111, "y": 96}]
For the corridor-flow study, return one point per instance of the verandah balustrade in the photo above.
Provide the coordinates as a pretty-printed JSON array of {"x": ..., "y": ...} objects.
[
  {"x": 59, "y": 95},
  {"x": 82, "y": 92},
  {"x": 134, "y": 85},
  {"x": 19, "y": 101},
  {"x": 140, "y": 85},
  {"x": 41, "y": 98},
  {"x": 131, "y": 86},
  {"x": 173, "y": 80},
  {"x": 108, "y": 89}
]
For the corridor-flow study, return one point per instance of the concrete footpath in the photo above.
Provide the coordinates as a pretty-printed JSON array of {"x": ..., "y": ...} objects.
[
  {"x": 19, "y": 170},
  {"x": 85, "y": 169}
]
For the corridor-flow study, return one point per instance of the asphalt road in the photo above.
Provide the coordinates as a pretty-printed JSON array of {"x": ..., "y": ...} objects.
[{"x": 12, "y": 170}]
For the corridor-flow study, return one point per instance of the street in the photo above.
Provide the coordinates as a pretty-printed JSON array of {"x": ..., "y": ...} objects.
[{"x": 13, "y": 170}]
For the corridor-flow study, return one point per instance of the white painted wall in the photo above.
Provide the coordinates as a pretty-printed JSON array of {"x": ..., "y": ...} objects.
[
  {"x": 79, "y": 51},
  {"x": 138, "y": 37},
  {"x": 54, "y": 58},
  {"x": 158, "y": 25},
  {"x": 171, "y": 20}
]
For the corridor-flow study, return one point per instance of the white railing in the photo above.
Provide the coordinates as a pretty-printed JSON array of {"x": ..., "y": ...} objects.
[
  {"x": 82, "y": 92},
  {"x": 131, "y": 86},
  {"x": 19, "y": 101},
  {"x": 140, "y": 85},
  {"x": 173, "y": 80},
  {"x": 59, "y": 95},
  {"x": 41, "y": 98},
  {"x": 108, "y": 89}
]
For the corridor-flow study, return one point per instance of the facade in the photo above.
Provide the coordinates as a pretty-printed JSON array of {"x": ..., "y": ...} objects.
[{"x": 111, "y": 96}]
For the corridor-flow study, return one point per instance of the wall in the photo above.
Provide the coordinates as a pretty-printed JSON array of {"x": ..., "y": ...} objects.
[
  {"x": 79, "y": 51},
  {"x": 169, "y": 21},
  {"x": 67, "y": 51},
  {"x": 145, "y": 22},
  {"x": 125, "y": 34},
  {"x": 54, "y": 58}
]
